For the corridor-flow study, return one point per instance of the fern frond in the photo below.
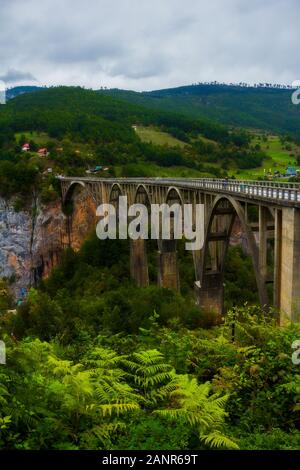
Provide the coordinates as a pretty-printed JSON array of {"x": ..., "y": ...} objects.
[{"x": 218, "y": 440}]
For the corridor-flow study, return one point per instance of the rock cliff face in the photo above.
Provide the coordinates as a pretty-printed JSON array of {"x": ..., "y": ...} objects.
[
  {"x": 15, "y": 244},
  {"x": 83, "y": 220},
  {"x": 32, "y": 240}
]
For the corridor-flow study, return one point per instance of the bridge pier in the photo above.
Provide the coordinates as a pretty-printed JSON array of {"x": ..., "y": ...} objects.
[
  {"x": 139, "y": 262},
  {"x": 287, "y": 265},
  {"x": 277, "y": 258},
  {"x": 263, "y": 240},
  {"x": 210, "y": 294},
  {"x": 168, "y": 275}
]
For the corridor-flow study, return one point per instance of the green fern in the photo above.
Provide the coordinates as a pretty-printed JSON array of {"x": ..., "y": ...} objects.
[
  {"x": 293, "y": 387},
  {"x": 194, "y": 405},
  {"x": 152, "y": 377},
  {"x": 218, "y": 440}
]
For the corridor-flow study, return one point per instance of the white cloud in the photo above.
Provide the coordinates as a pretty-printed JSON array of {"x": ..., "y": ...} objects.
[{"x": 142, "y": 44}]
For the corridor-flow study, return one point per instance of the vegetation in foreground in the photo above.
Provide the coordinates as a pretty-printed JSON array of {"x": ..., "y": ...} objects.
[{"x": 93, "y": 362}]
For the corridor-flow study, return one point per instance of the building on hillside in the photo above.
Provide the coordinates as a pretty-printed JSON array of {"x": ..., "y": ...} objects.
[
  {"x": 47, "y": 171},
  {"x": 291, "y": 171},
  {"x": 42, "y": 152},
  {"x": 25, "y": 147},
  {"x": 95, "y": 170}
]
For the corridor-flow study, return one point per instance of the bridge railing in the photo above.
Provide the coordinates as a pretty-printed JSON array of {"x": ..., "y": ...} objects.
[
  {"x": 254, "y": 189},
  {"x": 274, "y": 192}
]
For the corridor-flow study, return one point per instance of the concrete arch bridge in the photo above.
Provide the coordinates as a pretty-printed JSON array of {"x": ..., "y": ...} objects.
[{"x": 269, "y": 215}]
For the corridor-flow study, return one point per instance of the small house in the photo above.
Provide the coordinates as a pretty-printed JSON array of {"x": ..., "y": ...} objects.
[
  {"x": 25, "y": 147},
  {"x": 97, "y": 169},
  {"x": 291, "y": 171},
  {"x": 42, "y": 152}
]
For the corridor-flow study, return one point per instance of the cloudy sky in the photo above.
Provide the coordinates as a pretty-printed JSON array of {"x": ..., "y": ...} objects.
[{"x": 148, "y": 44}]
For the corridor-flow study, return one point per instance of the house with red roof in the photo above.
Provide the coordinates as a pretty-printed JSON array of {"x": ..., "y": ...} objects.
[{"x": 25, "y": 147}]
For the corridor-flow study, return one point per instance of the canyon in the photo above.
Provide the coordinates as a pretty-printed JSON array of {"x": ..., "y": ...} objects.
[{"x": 32, "y": 239}]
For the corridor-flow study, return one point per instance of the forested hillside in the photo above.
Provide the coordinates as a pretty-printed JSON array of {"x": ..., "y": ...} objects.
[
  {"x": 260, "y": 107},
  {"x": 82, "y": 129},
  {"x": 269, "y": 108},
  {"x": 20, "y": 90}
]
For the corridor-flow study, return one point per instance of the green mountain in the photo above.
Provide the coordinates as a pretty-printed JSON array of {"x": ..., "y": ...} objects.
[
  {"x": 269, "y": 108},
  {"x": 97, "y": 129},
  {"x": 82, "y": 129},
  {"x": 262, "y": 107},
  {"x": 90, "y": 115},
  {"x": 20, "y": 90}
]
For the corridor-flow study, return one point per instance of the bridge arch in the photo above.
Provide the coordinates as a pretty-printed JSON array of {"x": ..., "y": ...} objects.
[
  {"x": 115, "y": 192},
  {"x": 168, "y": 268},
  {"x": 71, "y": 189},
  {"x": 174, "y": 194},
  {"x": 142, "y": 195},
  {"x": 139, "y": 267},
  {"x": 218, "y": 231}
]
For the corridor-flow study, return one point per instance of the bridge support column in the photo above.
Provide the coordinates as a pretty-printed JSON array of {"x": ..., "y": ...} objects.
[
  {"x": 210, "y": 294},
  {"x": 263, "y": 238},
  {"x": 277, "y": 258},
  {"x": 213, "y": 247},
  {"x": 197, "y": 259},
  {"x": 288, "y": 264},
  {"x": 139, "y": 262},
  {"x": 168, "y": 275}
]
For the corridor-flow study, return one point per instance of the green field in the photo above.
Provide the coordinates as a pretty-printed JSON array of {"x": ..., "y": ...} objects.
[
  {"x": 147, "y": 169},
  {"x": 155, "y": 136},
  {"x": 279, "y": 158},
  {"x": 40, "y": 138}
]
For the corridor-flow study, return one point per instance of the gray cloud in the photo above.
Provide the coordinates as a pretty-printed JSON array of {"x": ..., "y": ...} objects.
[
  {"x": 14, "y": 76},
  {"x": 142, "y": 44}
]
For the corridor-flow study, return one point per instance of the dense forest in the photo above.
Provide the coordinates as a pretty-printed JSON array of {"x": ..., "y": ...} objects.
[
  {"x": 259, "y": 107},
  {"x": 103, "y": 127},
  {"x": 96, "y": 363},
  {"x": 262, "y": 107}
]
